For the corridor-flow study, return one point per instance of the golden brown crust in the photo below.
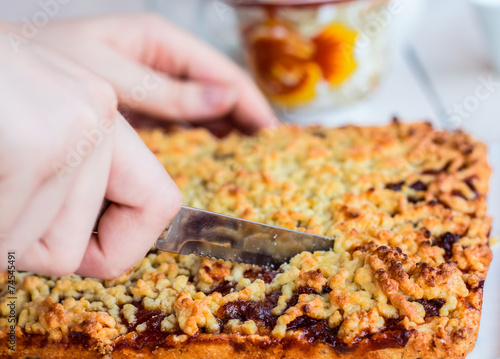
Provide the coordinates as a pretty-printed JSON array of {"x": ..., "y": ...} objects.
[
  {"x": 421, "y": 345},
  {"x": 405, "y": 204}
]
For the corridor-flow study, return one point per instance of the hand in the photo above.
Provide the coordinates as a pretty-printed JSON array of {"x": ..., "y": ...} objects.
[
  {"x": 63, "y": 148},
  {"x": 161, "y": 71}
]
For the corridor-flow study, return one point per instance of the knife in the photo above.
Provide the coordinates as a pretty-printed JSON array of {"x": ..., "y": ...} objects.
[{"x": 233, "y": 239}]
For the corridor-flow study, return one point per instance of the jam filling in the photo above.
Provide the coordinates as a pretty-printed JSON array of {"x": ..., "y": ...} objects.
[
  {"x": 392, "y": 335},
  {"x": 266, "y": 274},
  {"x": 74, "y": 338},
  {"x": 312, "y": 330},
  {"x": 435, "y": 172},
  {"x": 419, "y": 186},
  {"x": 79, "y": 338},
  {"x": 427, "y": 234},
  {"x": 42, "y": 340},
  {"x": 479, "y": 286},
  {"x": 458, "y": 193},
  {"x": 396, "y": 187},
  {"x": 152, "y": 335},
  {"x": 431, "y": 306},
  {"x": 225, "y": 287},
  {"x": 436, "y": 201},
  {"x": 292, "y": 302},
  {"x": 415, "y": 200},
  {"x": 153, "y": 318},
  {"x": 469, "y": 181},
  {"x": 446, "y": 242},
  {"x": 244, "y": 310}
]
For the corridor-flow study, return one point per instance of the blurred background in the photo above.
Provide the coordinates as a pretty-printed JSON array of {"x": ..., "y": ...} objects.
[
  {"x": 439, "y": 55},
  {"x": 435, "y": 60}
]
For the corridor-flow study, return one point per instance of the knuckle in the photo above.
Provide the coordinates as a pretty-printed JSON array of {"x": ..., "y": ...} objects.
[
  {"x": 108, "y": 94},
  {"x": 90, "y": 119},
  {"x": 86, "y": 117},
  {"x": 108, "y": 99}
]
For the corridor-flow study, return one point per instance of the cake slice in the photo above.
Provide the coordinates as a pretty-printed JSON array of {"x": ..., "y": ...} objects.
[{"x": 405, "y": 204}]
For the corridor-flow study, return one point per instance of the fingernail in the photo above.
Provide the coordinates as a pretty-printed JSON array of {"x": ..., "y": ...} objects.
[{"x": 216, "y": 96}]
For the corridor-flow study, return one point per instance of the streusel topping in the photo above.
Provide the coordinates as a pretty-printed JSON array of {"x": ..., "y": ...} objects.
[{"x": 405, "y": 205}]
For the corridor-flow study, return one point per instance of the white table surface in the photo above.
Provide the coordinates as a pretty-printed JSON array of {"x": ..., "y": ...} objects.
[{"x": 450, "y": 45}]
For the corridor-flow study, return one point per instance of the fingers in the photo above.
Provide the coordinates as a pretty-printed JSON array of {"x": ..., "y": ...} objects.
[
  {"x": 144, "y": 200},
  {"x": 196, "y": 60},
  {"x": 62, "y": 247},
  {"x": 25, "y": 154},
  {"x": 16, "y": 193},
  {"x": 33, "y": 223},
  {"x": 34, "y": 138},
  {"x": 31, "y": 192},
  {"x": 161, "y": 96},
  {"x": 185, "y": 101},
  {"x": 196, "y": 82}
]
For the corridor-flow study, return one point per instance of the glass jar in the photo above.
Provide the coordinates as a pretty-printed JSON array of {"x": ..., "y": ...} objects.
[{"x": 316, "y": 54}]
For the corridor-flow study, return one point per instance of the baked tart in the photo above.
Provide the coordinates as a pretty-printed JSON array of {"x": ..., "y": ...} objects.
[{"x": 404, "y": 203}]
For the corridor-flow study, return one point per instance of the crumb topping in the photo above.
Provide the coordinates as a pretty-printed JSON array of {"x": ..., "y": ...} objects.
[{"x": 404, "y": 203}]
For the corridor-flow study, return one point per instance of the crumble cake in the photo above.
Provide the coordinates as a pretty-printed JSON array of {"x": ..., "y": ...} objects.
[{"x": 404, "y": 279}]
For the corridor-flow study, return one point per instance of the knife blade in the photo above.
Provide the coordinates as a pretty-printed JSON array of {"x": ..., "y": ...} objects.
[{"x": 233, "y": 239}]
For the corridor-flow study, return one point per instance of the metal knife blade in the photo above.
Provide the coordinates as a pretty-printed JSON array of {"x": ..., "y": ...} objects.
[{"x": 238, "y": 240}]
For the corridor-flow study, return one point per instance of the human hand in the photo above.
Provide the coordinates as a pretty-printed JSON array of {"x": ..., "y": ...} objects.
[
  {"x": 161, "y": 71},
  {"x": 63, "y": 148}
]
